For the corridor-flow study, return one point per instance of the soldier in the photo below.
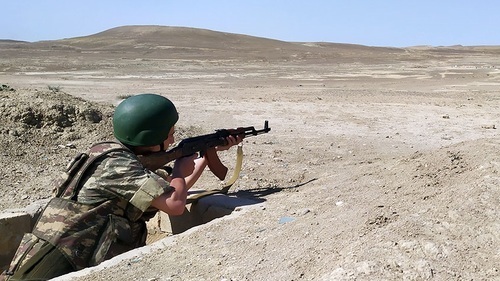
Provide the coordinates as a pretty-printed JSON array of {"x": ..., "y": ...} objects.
[{"x": 107, "y": 195}]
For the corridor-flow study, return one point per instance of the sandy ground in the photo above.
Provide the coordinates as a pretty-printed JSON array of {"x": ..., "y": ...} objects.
[{"x": 375, "y": 169}]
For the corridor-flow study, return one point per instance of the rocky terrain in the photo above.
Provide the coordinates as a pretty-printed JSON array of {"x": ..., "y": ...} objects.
[{"x": 381, "y": 163}]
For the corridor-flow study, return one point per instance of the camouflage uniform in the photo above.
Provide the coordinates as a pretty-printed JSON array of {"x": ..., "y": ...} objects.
[{"x": 100, "y": 209}]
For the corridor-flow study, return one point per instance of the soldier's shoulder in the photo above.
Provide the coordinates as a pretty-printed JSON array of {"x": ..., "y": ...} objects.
[
  {"x": 108, "y": 147},
  {"x": 113, "y": 153}
]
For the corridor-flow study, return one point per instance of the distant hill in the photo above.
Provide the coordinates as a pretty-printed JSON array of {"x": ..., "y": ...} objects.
[
  {"x": 8, "y": 41},
  {"x": 164, "y": 37},
  {"x": 184, "y": 43},
  {"x": 188, "y": 42},
  {"x": 155, "y": 42}
]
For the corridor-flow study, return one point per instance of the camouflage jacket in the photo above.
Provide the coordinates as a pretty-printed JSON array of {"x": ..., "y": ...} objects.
[{"x": 99, "y": 208}]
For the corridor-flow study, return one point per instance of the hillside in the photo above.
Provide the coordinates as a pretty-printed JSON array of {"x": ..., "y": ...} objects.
[{"x": 191, "y": 43}]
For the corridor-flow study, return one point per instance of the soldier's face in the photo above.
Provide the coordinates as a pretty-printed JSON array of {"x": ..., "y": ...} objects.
[{"x": 170, "y": 139}]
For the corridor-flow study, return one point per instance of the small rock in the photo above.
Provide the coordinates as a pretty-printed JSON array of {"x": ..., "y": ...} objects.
[
  {"x": 284, "y": 220},
  {"x": 489, "y": 127}
]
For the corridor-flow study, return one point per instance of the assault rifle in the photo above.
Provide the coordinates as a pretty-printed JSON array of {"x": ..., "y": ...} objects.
[{"x": 204, "y": 145}]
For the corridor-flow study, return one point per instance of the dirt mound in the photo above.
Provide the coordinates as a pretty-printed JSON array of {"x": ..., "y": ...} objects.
[
  {"x": 57, "y": 112},
  {"x": 40, "y": 131}
]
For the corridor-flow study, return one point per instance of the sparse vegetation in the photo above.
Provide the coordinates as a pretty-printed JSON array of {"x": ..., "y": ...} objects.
[
  {"x": 54, "y": 89},
  {"x": 6, "y": 88},
  {"x": 124, "y": 96}
]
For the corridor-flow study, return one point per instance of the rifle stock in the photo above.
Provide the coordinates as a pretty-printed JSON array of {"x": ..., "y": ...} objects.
[{"x": 199, "y": 144}]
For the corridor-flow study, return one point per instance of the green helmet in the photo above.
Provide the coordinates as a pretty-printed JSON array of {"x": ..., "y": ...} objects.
[{"x": 144, "y": 120}]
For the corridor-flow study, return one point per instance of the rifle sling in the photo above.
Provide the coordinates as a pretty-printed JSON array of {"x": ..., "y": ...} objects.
[{"x": 236, "y": 173}]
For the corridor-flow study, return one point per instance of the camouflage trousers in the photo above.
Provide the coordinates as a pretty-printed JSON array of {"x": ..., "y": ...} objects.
[{"x": 47, "y": 263}]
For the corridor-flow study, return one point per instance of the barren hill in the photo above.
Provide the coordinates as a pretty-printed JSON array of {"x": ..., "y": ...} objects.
[{"x": 183, "y": 42}]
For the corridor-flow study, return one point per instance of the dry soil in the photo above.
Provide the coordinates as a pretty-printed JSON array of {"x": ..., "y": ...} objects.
[{"x": 381, "y": 163}]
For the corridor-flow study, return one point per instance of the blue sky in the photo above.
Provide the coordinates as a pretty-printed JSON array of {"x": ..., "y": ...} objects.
[{"x": 397, "y": 23}]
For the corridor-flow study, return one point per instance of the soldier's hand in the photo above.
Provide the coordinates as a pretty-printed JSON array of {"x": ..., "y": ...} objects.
[
  {"x": 231, "y": 141},
  {"x": 184, "y": 166},
  {"x": 165, "y": 172}
]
